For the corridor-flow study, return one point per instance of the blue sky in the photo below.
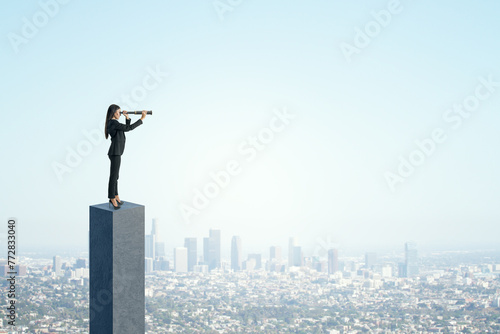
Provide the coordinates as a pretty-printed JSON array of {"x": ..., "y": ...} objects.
[{"x": 214, "y": 82}]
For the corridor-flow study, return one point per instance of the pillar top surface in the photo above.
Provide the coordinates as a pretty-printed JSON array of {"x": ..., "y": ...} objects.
[{"x": 109, "y": 207}]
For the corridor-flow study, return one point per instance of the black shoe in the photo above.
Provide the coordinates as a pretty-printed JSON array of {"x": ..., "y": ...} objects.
[
  {"x": 116, "y": 207},
  {"x": 118, "y": 202}
]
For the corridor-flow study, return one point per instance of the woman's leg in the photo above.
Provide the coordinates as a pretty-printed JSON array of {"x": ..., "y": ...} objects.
[
  {"x": 118, "y": 163},
  {"x": 113, "y": 176}
]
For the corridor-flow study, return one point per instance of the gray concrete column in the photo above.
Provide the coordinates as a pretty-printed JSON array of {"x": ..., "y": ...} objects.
[{"x": 116, "y": 261}]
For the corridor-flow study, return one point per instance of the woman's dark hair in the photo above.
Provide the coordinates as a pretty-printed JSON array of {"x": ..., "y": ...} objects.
[{"x": 111, "y": 111}]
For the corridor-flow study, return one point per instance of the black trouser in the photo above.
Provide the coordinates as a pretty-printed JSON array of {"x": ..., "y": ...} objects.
[{"x": 113, "y": 175}]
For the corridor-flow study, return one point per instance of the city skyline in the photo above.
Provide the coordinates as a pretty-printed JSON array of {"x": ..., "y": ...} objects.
[
  {"x": 459, "y": 287},
  {"x": 188, "y": 259}
]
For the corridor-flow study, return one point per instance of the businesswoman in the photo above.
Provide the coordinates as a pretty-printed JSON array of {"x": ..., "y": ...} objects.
[{"x": 117, "y": 131}]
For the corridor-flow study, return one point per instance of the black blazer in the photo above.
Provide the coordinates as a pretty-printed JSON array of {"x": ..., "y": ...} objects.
[{"x": 117, "y": 132}]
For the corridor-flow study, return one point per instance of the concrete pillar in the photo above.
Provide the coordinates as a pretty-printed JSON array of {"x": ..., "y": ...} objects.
[{"x": 116, "y": 260}]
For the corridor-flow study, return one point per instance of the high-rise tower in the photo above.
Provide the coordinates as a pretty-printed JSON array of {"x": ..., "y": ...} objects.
[
  {"x": 236, "y": 253},
  {"x": 192, "y": 252},
  {"x": 333, "y": 261},
  {"x": 292, "y": 242},
  {"x": 411, "y": 259},
  {"x": 211, "y": 249}
]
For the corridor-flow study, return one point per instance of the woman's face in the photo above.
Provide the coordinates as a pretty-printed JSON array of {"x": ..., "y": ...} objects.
[{"x": 117, "y": 114}]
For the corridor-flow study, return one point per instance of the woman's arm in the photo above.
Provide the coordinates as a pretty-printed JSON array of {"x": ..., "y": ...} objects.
[{"x": 115, "y": 125}]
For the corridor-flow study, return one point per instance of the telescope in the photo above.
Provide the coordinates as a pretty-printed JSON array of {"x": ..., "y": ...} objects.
[{"x": 137, "y": 112}]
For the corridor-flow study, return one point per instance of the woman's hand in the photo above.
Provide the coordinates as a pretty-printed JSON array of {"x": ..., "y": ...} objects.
[
  {"x": 125, "y": 113},
  {"x": 143, "y": 115}
]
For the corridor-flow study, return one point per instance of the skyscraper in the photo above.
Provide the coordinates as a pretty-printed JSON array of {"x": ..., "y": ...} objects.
[
  {"x": 370, "y": 260},
  {"x": 159, "y": 246},
  {"x": 333, "y": 261},
  {"x": 161, "y": 264},
  {"x": 206, "y": 250},
  {"x": 57, "y": 265},
  {"x": 236, "y": 253},
  {"x": 192, "y": 251},
  {"x": 411, "y": 259},
  {"x": 215, "y": 236},
  {"x": 402, "y": 270},
  {"x": 150, "y": 246},
  {"x": 148, "y": 265},
  {"x": 298, "y": 257},
  {"x": 292, "y": 242},
  {"x": 211, "y": 249},
  {"x": 154, "y": 229},
  {"x": 275, "y": 253},
  {"x": 181, "y": 259}
]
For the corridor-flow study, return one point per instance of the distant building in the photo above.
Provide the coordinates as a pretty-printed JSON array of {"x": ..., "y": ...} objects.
[
  {"x": 215, "y": 235},
  {"x": 310, "y": 262},
  {"x": 350, "y": 266},
  {"x": 387, "y": 271},
  {"x": 402, "y": 270},
  {"x": 161, "y": 264},
  {"x": 275, "y": 253},
  {"x": 150, "y": 246},
  {"x": 4, "y": 269},
  {"x": 249, "y": 264},
  {"x": 180, "y": 259},
  {"x": 19, "y": 270},
  {"x": 211, "y": 249},
  {"x": 292, "y": 243},
  {"x": 192, "y": 250},
  {"x": 333, "y": 261},
  {"x": 257, "y": 258},
  {"x": 200, "y": 268},
  {"x": 155, "y": 229},
  {"x": 370, "y": 260},
  {"x": 321, "y": 266},
  {"x": 411, "y": 260},
  {"x": 80, "y": 273},
  {"x": 148, "y": 265},
  {"x": 154, "y": 247},
  {"x": 206, "y": 250},
  {"x": 298, "y": 256},
  {"x": 81, "y": 263},
  {"x": 236, "y": 249},
  {"x": 159, "y": 248},
  {"x": 75, "y": 281},
  {"x": 277, "y": 267},
  {"x": 56, "y": 267}
]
